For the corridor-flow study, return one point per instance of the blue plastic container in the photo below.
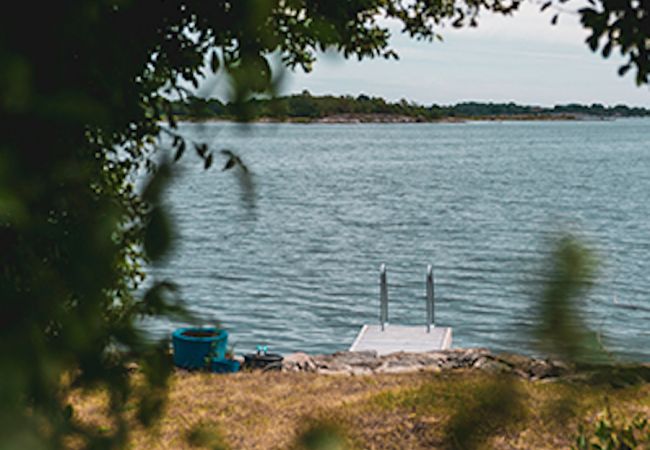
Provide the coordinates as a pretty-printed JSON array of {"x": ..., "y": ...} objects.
[
  {"x": 223, "y": 365},
  {"x": 194, "y": 348}
]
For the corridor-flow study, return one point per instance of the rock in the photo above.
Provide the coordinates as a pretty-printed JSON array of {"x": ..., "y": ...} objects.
[
  {"x": 357, "y": 358},
  {"x": 400, "y": 363},
  {"x": 334, "y": 372},
  {"x": 298, "y": 362},
  {"x": 360, "y": 371},
  {"x": 387, "y": 368},
  {"x": 335, "y": 366},
  {"x": 534, "y": 368},
  {"x": 515, "y": 360},
  {"x": 482, "y": 361},
  {"x": 491, "y": 365},
  {"x": 347, "y": 361},
  {"x": 469, "y": 357},
  {"x": 540, "y": 369},
  {"x": 365, "y": 363},
  {"x": 438, "y": 355}
]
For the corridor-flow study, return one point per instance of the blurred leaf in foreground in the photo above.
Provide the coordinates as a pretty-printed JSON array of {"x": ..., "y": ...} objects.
[
  {"x": 495, "y": 404},
  {"x": 206, "y": 436},
  {"x": 561, "y": 330},
  {"x": 322, "y": 436}
]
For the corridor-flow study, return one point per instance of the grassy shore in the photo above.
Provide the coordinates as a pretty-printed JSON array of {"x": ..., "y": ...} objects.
[{"x": 422, "y": 410}]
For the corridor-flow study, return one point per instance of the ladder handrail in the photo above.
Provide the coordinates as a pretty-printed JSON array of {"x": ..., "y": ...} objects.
[
  {"x": 430, "y": 304},
  {"x": 383, "y": 298}
]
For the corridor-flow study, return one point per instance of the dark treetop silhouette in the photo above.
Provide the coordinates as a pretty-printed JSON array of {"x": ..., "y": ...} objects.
[{"x": 307, "y": 107}]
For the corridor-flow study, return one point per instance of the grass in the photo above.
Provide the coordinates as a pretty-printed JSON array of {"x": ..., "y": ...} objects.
[{"x": 460, "y": 409}]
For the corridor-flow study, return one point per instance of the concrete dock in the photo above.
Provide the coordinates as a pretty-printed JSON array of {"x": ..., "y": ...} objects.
[
  {"x": 386, "y": 338},
  {"x": 401, "y": 338}
]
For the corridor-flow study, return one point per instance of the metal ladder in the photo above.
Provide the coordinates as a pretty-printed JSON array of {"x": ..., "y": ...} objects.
[{"x": 383, "y": 298}]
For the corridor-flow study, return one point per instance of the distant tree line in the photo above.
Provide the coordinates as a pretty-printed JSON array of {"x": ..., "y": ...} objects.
[
  {"x": 469, "y": 109},
  {"x": 310, "y": 107}
]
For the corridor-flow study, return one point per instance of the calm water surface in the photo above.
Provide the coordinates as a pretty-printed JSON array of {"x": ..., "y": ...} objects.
[{"x": 296, "y": 265}]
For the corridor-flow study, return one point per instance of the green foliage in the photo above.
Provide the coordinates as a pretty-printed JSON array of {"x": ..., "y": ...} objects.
[
  {"x": 84, "y": 97},
  {"x": 309, "y": 107},
  {"x": 491, "y": 407},
  {"x": 617, "y": 375},
  {"x": 622, "y": 25},
  {"x": 597, "y": 109},
  {"x": 612, "y": 432},
  {"x": 322, "y": 435},
  {"x": 474, "y": 109},
  {"x": 561, "y": 329},
  {"x": 206, "y": 436},
  {"x": 302, "y": 106},
  {"x": 478, "y": 406}
]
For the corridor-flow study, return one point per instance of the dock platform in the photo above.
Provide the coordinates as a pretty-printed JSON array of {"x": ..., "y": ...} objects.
[
  {"x": 386, "y": 338},
  {"x": 401, "y": 338}
]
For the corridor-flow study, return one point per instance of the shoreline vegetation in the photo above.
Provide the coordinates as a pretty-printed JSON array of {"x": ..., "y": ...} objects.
[{"x": 307, "y": 108}]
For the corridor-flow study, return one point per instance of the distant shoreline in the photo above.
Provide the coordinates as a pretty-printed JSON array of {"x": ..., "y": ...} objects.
[
  {"x": 306, "y": 108},
  {"x": 393, "y": 119}
]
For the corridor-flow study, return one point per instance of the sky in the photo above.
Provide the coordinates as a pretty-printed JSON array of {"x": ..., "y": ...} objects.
[{"x": 521, "y": 58}]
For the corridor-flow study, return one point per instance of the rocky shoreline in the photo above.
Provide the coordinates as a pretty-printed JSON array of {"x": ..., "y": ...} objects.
[
  {"x": 398, "y": 118},
  {"x": 368, "y": 363}
]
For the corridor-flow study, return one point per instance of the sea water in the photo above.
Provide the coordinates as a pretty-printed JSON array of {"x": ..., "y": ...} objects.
[{"x": 289, "y": 256}]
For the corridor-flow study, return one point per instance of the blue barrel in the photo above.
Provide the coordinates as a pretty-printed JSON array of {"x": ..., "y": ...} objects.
[{"x": 195, "y": 347}]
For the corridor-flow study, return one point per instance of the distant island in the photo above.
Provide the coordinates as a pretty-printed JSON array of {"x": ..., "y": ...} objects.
[{"x": 307, "y": 108}]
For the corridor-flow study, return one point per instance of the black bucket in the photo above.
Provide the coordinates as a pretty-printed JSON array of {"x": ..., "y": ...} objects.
[{"x": 263, "y": 361}]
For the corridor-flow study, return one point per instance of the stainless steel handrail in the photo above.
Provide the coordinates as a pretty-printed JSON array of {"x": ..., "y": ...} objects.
[
  {"x": 430, "y": 306},
  {"x": 383, "y": 297}
]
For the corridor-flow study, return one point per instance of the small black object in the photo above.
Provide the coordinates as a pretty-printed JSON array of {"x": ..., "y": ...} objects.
[{"x": 263, "y": 361}]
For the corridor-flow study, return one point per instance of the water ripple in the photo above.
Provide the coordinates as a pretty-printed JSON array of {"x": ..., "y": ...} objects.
[{"x": 481, "y": 202}]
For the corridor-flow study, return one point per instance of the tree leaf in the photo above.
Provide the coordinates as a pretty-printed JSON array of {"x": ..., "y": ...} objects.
[
  {"x": 158, "y": 235},
  {"x": 592, "y": 41},
  {"x": 214, "y": 62},
  {"x": 229, "y": 164},
  {"x": 208, "y": 161},
  {"x": 607, "y": 49},
  {"x": 201, "y": 149},
  {"x": 180, "y": 150}
]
